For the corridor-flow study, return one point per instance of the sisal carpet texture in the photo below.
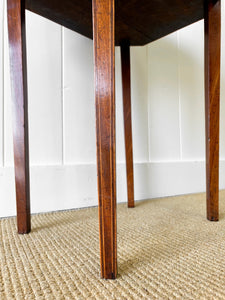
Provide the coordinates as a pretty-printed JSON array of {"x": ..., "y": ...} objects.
[{"x": 166, "y": 250}]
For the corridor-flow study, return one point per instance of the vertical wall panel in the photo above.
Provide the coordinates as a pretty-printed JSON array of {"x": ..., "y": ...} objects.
[
  {"x": 79, "y": 103},
  {"x": 1, "y": 79},
  {"x": 163, "y": 97},
  {"x": 139, "y": 103},
  {"x": 191, "y": 70},
  {"x": 44, "y": 60}
]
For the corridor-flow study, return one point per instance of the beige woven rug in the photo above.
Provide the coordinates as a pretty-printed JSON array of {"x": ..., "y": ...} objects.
[{"x": 166, "y": 250}]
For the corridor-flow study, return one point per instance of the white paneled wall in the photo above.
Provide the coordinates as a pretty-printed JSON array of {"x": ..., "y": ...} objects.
[
  {"x": 163, "y": 99},
  {"x": 78, "y": 95},
  {"x": 139, "y": 88},
  {"x": 167, "y": 117},
  {"x": 191, "y": 92},
  {"x": 45, "y": 72}
]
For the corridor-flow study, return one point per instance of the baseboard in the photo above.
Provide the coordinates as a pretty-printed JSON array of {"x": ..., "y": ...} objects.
[{"x": 75, "y": 186}]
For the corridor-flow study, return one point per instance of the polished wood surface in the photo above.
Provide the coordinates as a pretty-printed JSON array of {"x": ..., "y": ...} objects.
[
  {"x": 127, "y": 118},
  {"x": 212, "y": 104},
  {"x": 104, "y": 61},
  {"x": 138, "y": 21},
  {"x": 18, "y": 69}
]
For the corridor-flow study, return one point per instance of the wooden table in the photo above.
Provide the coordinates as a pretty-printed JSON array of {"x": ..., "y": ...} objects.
[{"x": 122, "y": 23}]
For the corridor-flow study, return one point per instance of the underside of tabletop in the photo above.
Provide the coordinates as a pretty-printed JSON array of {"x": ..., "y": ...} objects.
[{"x": 138, "y": 21}]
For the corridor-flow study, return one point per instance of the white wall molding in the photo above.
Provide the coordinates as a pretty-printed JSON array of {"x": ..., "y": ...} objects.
[{"x": 75, "y": 186}]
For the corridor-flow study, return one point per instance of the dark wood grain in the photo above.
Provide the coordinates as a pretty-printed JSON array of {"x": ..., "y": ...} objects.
[
  {"x": 138, "y": 21},
  {"x": 212, "y": 104},
  {"x": 104, "y": 61},
  {"x": 127, "y": 115},
  {"x": 17, "y": 51}
]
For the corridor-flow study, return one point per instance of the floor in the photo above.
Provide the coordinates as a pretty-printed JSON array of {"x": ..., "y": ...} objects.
[{"x": 166, "y": 250}]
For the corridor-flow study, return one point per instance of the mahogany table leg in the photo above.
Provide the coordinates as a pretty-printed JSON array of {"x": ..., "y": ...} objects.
[
  {"x": 212, "y": 98},
  {"x": 17, "y": 52},
  {"x": 104, "y": 59},
  {"x": 125, "y": 62}
]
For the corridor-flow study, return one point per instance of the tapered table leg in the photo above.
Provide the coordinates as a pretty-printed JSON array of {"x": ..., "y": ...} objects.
[
  {"x": 212, "y": 105},
  {"x": 17, "y": 52},
  {"x": 125, "y": 62},
  {"x": 104, "y": 52}
]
